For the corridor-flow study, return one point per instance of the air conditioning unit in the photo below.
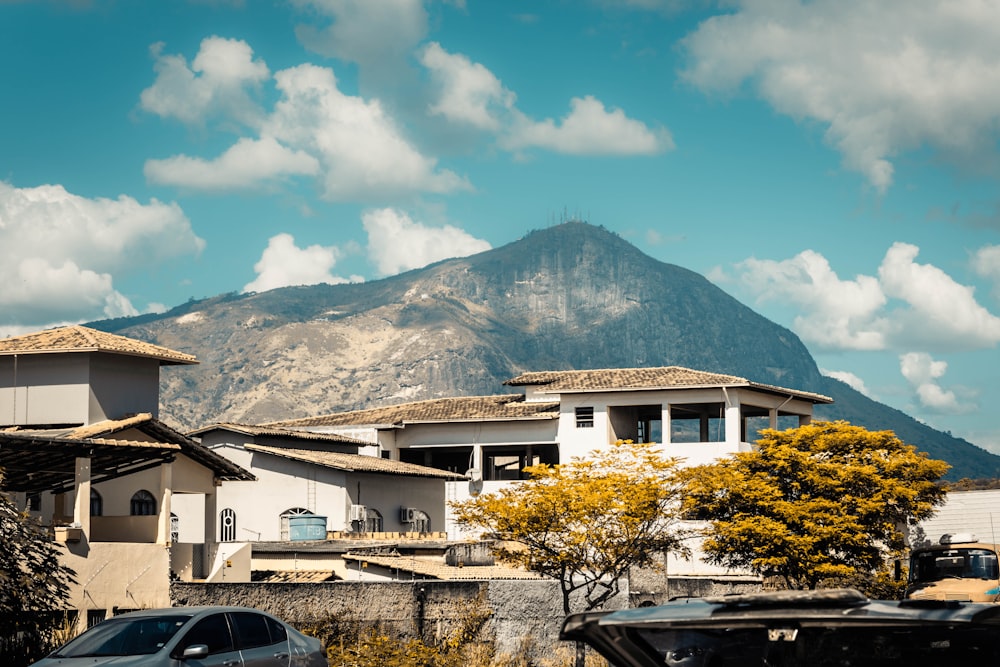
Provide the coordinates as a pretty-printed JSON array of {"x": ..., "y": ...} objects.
[
  {"x": 407, "y": 514},
  {"x": 359, "y": 513}
]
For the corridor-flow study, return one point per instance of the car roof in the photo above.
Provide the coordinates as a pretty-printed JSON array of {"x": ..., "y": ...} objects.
[
  {"x": 186, "y": 611},
  {"x": 828, "y": 607}
]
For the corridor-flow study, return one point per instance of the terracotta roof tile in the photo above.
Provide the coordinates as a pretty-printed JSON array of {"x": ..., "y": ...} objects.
[
  {"x": 436, "y": 569},
  {"x": 84, "y": 339},
  {"x": 246, "y": 429},
  {"x": 355, "y": 462},
  {"x": 666, "y": 377},
  {"x": 501, "y": 407}
]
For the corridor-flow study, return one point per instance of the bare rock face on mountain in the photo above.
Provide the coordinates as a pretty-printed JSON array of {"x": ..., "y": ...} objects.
[{"x": 569, "y": 297}]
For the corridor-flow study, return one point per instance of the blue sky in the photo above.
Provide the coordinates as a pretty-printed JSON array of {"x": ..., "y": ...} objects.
[{"x": 833, "y": 164}]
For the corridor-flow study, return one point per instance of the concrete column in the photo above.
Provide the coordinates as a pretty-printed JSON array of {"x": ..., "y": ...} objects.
[
  {"x": 772, "y": 418},
  {"x": 211, "y": 517},
  {"x": 81, "y": 504},
  {"x": 665, "y": 423},
  {"x": 734, "y": 421},
  {"x": 166, "y": 492}
]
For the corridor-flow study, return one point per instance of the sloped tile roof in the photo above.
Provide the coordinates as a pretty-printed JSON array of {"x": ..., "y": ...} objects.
[
  {"x": 291, "y": 434},
  {"x": 84, "y": 339},
  {"x": 429, "y": 568},
  {"x": 293, "y": 577},
  {"x": 502, "y": 407},
  {"x": 666, "y": 377},
  {"x": 355, "y": 462}
]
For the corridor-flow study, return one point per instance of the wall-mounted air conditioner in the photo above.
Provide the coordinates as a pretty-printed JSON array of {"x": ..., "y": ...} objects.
[
  {"x": 359, "y": 513},
  {"x": 407, "y": 514}
]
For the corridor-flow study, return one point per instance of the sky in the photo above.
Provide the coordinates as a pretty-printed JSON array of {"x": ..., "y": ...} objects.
[{"x": 833, "y": 164}]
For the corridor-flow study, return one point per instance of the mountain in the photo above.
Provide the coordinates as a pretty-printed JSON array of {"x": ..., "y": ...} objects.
[{"x": 572, "y": 296}]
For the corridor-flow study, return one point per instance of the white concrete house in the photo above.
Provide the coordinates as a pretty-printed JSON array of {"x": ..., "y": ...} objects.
[
  {"x": 82, "y": 449},
  {"x": 696, "y": 416},
  {"x": 311, "y": 485}
]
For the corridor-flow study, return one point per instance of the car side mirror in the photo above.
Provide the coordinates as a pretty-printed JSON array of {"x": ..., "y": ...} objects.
[{"x": 195, "y": 651}]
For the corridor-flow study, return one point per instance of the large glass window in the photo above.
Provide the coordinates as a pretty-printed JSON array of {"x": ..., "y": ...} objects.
[
  {"x": 143, "y": 504},
  {"x": 508, "y": 463}
]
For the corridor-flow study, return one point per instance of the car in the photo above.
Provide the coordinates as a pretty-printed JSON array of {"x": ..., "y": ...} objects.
[
  {"x": 837, "y": 627},
  {"x": 194, "y": 636}
]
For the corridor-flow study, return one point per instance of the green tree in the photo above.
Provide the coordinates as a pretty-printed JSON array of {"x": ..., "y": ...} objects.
[
  {"x": 34, "y": 585},
  {"x": 824, "y": 502},
  {"x": 585, "y": 522}
]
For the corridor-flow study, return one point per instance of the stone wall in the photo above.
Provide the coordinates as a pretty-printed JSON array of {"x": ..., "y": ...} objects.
[{"x": 515, "y": 615}]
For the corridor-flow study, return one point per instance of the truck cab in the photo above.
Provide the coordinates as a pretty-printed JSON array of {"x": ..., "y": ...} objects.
[{"x": 958, "y": 568}]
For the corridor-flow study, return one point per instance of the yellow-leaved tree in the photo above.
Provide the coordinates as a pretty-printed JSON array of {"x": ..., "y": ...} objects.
[
  {"x": 825, "y": 502},
  {"x": 587, "y": 521}
]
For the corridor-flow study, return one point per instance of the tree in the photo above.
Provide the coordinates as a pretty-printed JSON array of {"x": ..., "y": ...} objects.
[
  {"x": 586, "y": 522},
  {"x": 826, "y": 501},
  {"x": 33, "y": 585}
]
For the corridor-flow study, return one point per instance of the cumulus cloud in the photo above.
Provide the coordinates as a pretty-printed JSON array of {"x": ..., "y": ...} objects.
[
  {"x": 923, "y": 373},
  {"x": 247, "y": 163},
  {"x": 377, "y": 35},
  {"x": 396, "y": 243},
  {"x": 940, "y": 311},
  {"x": 848, "y": 378},
  {"x": 986, "y": 263},
  {"x": 836, "y": 314},
  {"x": 883, "y": 78},
  {"x": 588, "y": 129},
  {"x": 467, "y": 91},
  {"x": 363, "y": 153},
  {"x": 59, "y": 251},
  {"x": 906, "y": 306},
  {"x": 351, "y": 145},
  {"x": 283, "y": 264},
  {"x": 219, "y": 81}
]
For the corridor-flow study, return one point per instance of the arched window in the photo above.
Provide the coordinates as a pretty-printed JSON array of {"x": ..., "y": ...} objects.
[
  {"x": 96, "y": 503},
  {"x": 143, "y": 504},
  {"x": 227, "y": 525},
  {"x": 284, "y": 532}
]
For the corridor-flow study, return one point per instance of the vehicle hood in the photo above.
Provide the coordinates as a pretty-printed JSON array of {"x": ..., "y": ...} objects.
[{"x": 103, "y": 661}]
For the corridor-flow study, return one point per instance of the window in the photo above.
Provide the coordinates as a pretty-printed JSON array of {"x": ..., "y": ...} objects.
[
  {"x": 143, "y": 504},
  {"x": 175, "y": 528},
  {"x": 96, "y": 503},
  {"x": 585, "y": 417},
  {"x": 452, "y": 459},
  {"x": 227, "y": 525},
  {"x": 251, "y": 629},
  {"x": 373, "y": 521},
  {"x": 508, "y": 463},
  {"x": 284, "y": 533},
  {"x": 34, "y": 502},
  {"x": 95, "y": 616},
  {"x": 213, "y": 631}
]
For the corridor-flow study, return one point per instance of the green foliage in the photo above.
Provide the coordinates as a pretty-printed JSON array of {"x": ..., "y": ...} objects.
[
  {"x": 33, "y": 585},
  {"x": 826, "y": 501},
  {"x": 585, "y": 522}
]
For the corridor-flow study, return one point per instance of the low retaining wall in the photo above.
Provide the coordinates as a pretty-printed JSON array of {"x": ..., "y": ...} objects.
[{"x": 515, "y": 615}]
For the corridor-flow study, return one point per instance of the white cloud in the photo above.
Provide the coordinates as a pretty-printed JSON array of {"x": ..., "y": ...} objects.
[
  {"x": 923, "y": 372},
  {"x": 219, "y": 81},
  {"x": 588, "y": 129},
  {"x": 283, "y": 264},
  {"x": 940, "y": 312},
  {"x": 59, "y": 251},
  {"x": 377, "y": 35},
  {"x": 469, "y": 93},
  {"x": 848, "y": 378},
  {"x": 836, "y": 314},
  {"x": 396, "y": 243},
  {"x": 986, "y": 263},
  {"x": 247, "y": 164},
  {"x": 909, "y": 305},
  {"x": 363, "y": 153},
  {"x": 883, "y": 78}
]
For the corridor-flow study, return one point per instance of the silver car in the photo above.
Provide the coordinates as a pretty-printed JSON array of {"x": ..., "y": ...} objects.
[{"x": 202, "y": 636}]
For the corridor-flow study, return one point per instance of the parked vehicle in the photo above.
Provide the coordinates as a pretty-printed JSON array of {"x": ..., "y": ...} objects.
[
  {"x": 959, "y": 568},
  {"x": 195, "y": 636},
  {"x": 794, "y": 629}
]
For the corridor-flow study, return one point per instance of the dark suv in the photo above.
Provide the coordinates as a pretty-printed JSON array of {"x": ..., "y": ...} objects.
[{"x": 839, "y": 628}]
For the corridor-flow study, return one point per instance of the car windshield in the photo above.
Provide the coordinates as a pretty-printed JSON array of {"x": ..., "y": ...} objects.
[
  {"x": 124, "y": 636},
  {"x": 922, "y": 645},
  {"x": 960, "y": 563}
]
